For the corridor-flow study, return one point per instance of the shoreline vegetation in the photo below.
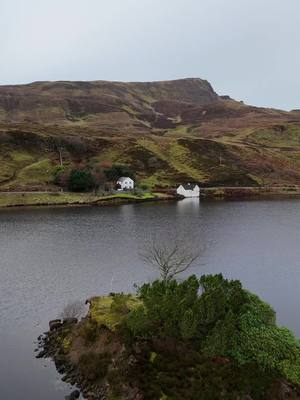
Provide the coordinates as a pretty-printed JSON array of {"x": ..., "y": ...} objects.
[
  {"x": 219, "y": 342},
  {"x": 251, "y": 192},
  {"x": 63, "y": 198},
  {"x": 32, "y": 199}
]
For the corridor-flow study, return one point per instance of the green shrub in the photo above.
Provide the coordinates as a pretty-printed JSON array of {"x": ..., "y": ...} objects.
[
  {"x": 119, "y": 303},
  {"x": 58, "y": 171},
  {"x": 143, "y": 186},
  {"x": 184, "y": 373},
  {"x": 164, "y": 307},
  {"x": 81, "y": 181},
  {"x": 223, "y": 321},
  {"x": 188, "y": 325},
  {"x": 138, "y": 324}
]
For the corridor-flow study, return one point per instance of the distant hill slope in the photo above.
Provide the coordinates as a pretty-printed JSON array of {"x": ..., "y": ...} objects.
[
  {"x": 169, "y": 132},
  {"x": 87, "y": 102}
]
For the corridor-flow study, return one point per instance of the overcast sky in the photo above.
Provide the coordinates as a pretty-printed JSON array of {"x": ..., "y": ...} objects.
[{"x": 249, "y": 49}]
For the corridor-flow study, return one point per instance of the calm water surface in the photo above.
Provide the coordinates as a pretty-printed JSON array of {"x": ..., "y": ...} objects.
[{"x": 49, "y": 257}]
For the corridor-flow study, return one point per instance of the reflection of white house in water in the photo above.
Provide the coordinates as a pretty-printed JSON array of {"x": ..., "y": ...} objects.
[
  {"x": 125, "y": 183},
  {"x": 188, "y": 206},
  {"x": 189, "y": 190}
]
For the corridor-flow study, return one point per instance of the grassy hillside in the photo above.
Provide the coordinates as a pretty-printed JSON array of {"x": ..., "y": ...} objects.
[{"x": 167, "y": 132}]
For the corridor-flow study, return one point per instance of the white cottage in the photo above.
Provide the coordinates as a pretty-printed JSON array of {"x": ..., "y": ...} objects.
[
  {"x": 125, "y": 183},
  {"x": 189, "y": 190}
]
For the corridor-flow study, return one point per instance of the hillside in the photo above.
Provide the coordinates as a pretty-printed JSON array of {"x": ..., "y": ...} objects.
[{"x": 167, "y": 132}]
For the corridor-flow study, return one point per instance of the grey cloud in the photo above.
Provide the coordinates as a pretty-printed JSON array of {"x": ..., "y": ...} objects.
[{"x": 248, "y": 49}]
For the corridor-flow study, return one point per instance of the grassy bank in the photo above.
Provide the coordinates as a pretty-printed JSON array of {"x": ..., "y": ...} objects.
[
  {"x": 23, "y": 199},
  {"x": 14, "y": 199}
]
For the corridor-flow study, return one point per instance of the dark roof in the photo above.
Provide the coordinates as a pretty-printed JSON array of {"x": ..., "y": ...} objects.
[{"x": 189, "y": 186}]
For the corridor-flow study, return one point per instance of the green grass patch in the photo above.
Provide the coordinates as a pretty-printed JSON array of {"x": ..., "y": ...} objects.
[
  {"x": 130, "y": 110},
  {"x": 153, "y": 147},
  {"x": 10, "y": 199},
  {"x": 130, "y": 196},
  {"x": 259, "y": 181},
  {"x": 155, "y": 180},
  {"x": 102, "y": 312},
  {"x": 20, "y": 157},
  {"x": 287, "y": 137},
  {"x": 37, "y": 173},
  {"x": 182, "y": 160},
  {"x": 111, "y": 155},
  {"x": 6, "y": 171},
  {"x": 179, "y": 131}
]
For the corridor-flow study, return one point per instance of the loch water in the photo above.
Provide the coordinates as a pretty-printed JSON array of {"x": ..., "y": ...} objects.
[{"x": 50, "y": 257}]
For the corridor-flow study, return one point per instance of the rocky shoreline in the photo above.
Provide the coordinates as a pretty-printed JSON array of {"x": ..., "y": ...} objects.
[
  {"x": 65, "y": 336},
  {"x": 50, "y": 346}
]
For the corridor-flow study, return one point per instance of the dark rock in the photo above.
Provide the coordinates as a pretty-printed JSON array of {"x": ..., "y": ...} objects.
[
  {"x": 225, "y": 97},
  {"x": 75, "y": 395},
  {"x": 54, "y": 324},
  {"x": 61, "y": 369},
  {"x": 70, "y": 321},
  {"x": 41, "y": 354},
  {"x": 284, "y": 390},
  {"x": 72, "y": 379}
]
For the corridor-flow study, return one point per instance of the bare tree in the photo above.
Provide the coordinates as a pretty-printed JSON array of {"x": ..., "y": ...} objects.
[
  {"x": 60, "y": 149},
  {"x": 75, "y": 309},
  {"x": 56, "y": 144},
  {"x": 170, "y": 259}
]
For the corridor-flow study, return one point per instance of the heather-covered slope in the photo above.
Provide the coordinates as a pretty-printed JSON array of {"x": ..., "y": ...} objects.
[
  {"x": 93, "y": 103},
  {"x": 168, "y": 132}
]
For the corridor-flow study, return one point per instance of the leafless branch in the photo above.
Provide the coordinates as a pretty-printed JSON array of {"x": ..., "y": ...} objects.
[{"x": 170, "y": 259}]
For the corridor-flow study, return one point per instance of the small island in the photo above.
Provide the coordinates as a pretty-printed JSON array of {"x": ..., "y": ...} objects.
[{"x": 200, "y": 338}]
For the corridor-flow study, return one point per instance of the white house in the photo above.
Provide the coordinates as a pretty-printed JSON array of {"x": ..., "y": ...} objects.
[
  {"x": 189, "y": 190},
  {"x": 125, "y": 183}
]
